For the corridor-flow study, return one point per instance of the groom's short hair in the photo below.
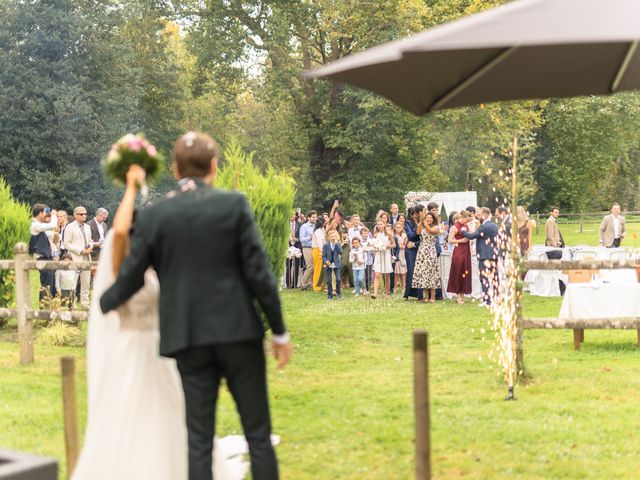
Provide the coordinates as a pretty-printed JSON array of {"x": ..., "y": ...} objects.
[{"x": 192, "y": 154}]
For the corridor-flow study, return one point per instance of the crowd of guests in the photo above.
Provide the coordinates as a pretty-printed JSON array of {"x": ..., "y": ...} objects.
[
  {"x": 55, "y": 237},
  {"x": 399, "y": 254}
]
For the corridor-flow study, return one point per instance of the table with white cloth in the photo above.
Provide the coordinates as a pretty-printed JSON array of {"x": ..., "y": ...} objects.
[
  {"x": 545, "y": 283},
  {"x": 600, "y": 300},
  {"x": 608, "y": 305}
]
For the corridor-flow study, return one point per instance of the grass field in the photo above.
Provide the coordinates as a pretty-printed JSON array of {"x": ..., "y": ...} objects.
[
  {"x": 589, "y": 235},
  {"x": 344, "y": 405}
]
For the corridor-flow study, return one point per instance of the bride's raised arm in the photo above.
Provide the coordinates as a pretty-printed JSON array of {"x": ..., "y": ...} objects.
[{"x": 123, "y": 218}]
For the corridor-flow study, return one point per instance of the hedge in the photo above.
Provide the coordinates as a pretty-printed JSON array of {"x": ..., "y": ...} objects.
[
  {"x": 15, "y": 218},
  {"x": 270, "y": 194}
]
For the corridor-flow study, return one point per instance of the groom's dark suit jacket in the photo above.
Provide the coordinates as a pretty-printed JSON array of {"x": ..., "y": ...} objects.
[{"x": 205, "y": 247}]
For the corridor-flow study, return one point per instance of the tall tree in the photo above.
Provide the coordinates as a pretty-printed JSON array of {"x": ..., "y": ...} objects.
[
  {"x": 59, "y": 104},
  {"x": 294, "y": 36}
]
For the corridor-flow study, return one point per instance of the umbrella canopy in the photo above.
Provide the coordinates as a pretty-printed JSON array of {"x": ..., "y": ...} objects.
[{"x": 522, "y": 50}]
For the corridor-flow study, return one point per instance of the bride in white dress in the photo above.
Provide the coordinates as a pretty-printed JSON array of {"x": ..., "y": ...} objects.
[{"x": 136, "y": 422}]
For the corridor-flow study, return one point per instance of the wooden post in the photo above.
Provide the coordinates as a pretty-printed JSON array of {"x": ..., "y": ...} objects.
[
  {"x": 638, "y": 338},
  {"x": 576, "y": 339},
  {"x": 23, "y": 305},
  {"x": 70, "y": 411},
  {"x": 515, "y": 258},
  {"x": 519, "y": 337},
  {"x": 421, "y": 404}
]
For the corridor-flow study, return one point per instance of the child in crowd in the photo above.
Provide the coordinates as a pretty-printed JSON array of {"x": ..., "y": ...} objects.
[
  {"x": 66, "y": 281},
  {"x": 400, "y": 266},
  {"x": 369, "y": 257},
  {"x": 331, "y": 253},
  {"x": 382, "y": 266},
  {"x": 357, "y": 260}
]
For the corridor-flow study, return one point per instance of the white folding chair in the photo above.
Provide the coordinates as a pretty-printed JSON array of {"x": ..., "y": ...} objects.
[
  {"x": 585, "y": 255},
  {"x": 617, "y": 255}
]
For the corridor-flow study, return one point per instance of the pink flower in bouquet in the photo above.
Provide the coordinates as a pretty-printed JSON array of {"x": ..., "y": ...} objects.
[
  {"x": 136, "y": 144},
  {"x": 151, "y": 151}
]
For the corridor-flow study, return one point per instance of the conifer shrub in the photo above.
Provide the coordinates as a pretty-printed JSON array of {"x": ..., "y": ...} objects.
[
  {"x": 270, "y": 194},
  {"x": 15, "y": 218}
]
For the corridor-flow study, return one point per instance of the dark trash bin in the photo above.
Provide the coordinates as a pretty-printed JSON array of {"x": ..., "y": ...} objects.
[{"x": 23, "y": 466}]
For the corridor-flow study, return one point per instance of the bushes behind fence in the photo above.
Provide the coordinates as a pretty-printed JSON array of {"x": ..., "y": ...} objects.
[
  {"x": 270, "y": 194},
  {"x": 15, "y": 218}
]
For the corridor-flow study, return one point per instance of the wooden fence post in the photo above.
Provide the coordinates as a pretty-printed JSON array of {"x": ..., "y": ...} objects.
[
  {"x": 23, "y": 305},
  {"x": 519, "y": 333},
  {"x": 70, "y": 412},
  {"x": 421, "y": 404}
]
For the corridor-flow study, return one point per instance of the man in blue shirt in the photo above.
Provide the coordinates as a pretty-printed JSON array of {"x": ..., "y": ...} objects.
[
  {"x": 306, "y": 232},
  {"x": 488, "y": 250}
]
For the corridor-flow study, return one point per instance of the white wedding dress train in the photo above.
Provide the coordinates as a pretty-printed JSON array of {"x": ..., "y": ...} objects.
[{"x": 136, "y": 422}]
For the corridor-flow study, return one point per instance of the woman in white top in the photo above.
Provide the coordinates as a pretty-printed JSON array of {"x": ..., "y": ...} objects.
[{"x": 383, "y": 243}]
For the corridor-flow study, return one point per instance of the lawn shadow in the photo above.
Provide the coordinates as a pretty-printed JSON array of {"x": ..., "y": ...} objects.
[{"x": 596, "y": 347}]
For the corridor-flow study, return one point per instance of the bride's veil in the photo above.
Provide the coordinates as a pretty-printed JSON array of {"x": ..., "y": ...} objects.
[{"x": 102, "y": 327}]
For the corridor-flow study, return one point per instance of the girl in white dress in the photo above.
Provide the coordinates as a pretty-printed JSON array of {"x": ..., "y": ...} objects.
[
  {"x": 136, "y": 422},
  {"x": 383, "y": 242}
]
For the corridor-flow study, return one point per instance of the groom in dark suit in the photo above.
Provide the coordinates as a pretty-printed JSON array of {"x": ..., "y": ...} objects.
[
  {"x": 205, "y": 247},
  {"x": 488, "y": 251}
]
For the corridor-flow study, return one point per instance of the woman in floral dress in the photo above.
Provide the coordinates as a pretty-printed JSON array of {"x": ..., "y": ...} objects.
[{"x": 426, "y": 273}]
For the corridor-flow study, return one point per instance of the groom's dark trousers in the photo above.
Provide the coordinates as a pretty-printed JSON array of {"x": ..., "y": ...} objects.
[
  {"x": 243, "y": 367},
  {"x": 213, "y": 270}
]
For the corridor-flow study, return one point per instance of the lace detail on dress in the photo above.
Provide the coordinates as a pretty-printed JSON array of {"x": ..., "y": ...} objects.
[{"x": 141, "y": 311}]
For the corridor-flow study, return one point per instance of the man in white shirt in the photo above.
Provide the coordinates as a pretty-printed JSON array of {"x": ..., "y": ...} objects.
[
  {"x": 39, "y": 245},
  {"x": 354, "y": 230},
  {"x": 395, "y": 211},
  {"x": 612, "y": 228},
  {"x": 77, "y": 240},
  {"x": 99, "y": 230}
]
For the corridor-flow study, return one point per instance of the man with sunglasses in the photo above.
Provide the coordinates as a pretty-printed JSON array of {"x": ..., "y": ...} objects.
[{"x": 77, "y": 241}]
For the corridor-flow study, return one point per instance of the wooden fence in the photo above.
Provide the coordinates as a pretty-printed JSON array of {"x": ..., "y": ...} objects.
[{"x": 24, "y": 312}]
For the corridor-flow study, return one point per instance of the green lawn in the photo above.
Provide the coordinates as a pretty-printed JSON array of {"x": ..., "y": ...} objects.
[
  {"x": 589, "y": 236},
  {"x": 344, "y": 406}
]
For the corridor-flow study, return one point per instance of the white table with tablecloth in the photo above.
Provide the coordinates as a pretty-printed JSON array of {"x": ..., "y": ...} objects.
[
  {"x": 600, "y": 300},
  {"x": 545, "y": 283}
]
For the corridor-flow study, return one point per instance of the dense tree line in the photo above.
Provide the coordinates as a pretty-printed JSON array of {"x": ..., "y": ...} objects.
[{"x": 76, "y": 74}]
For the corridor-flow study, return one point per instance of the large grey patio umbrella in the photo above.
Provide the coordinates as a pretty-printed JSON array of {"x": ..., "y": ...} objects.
[{"x": 521, "y": 50}]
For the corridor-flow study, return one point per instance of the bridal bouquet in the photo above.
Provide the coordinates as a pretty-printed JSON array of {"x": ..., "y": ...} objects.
[
  {"x": 132, "y": 150},
  {"x": 293, "y": 252}
]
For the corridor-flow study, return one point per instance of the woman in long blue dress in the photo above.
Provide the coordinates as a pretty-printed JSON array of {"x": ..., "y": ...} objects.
[{"x": 411, "y": 251}]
